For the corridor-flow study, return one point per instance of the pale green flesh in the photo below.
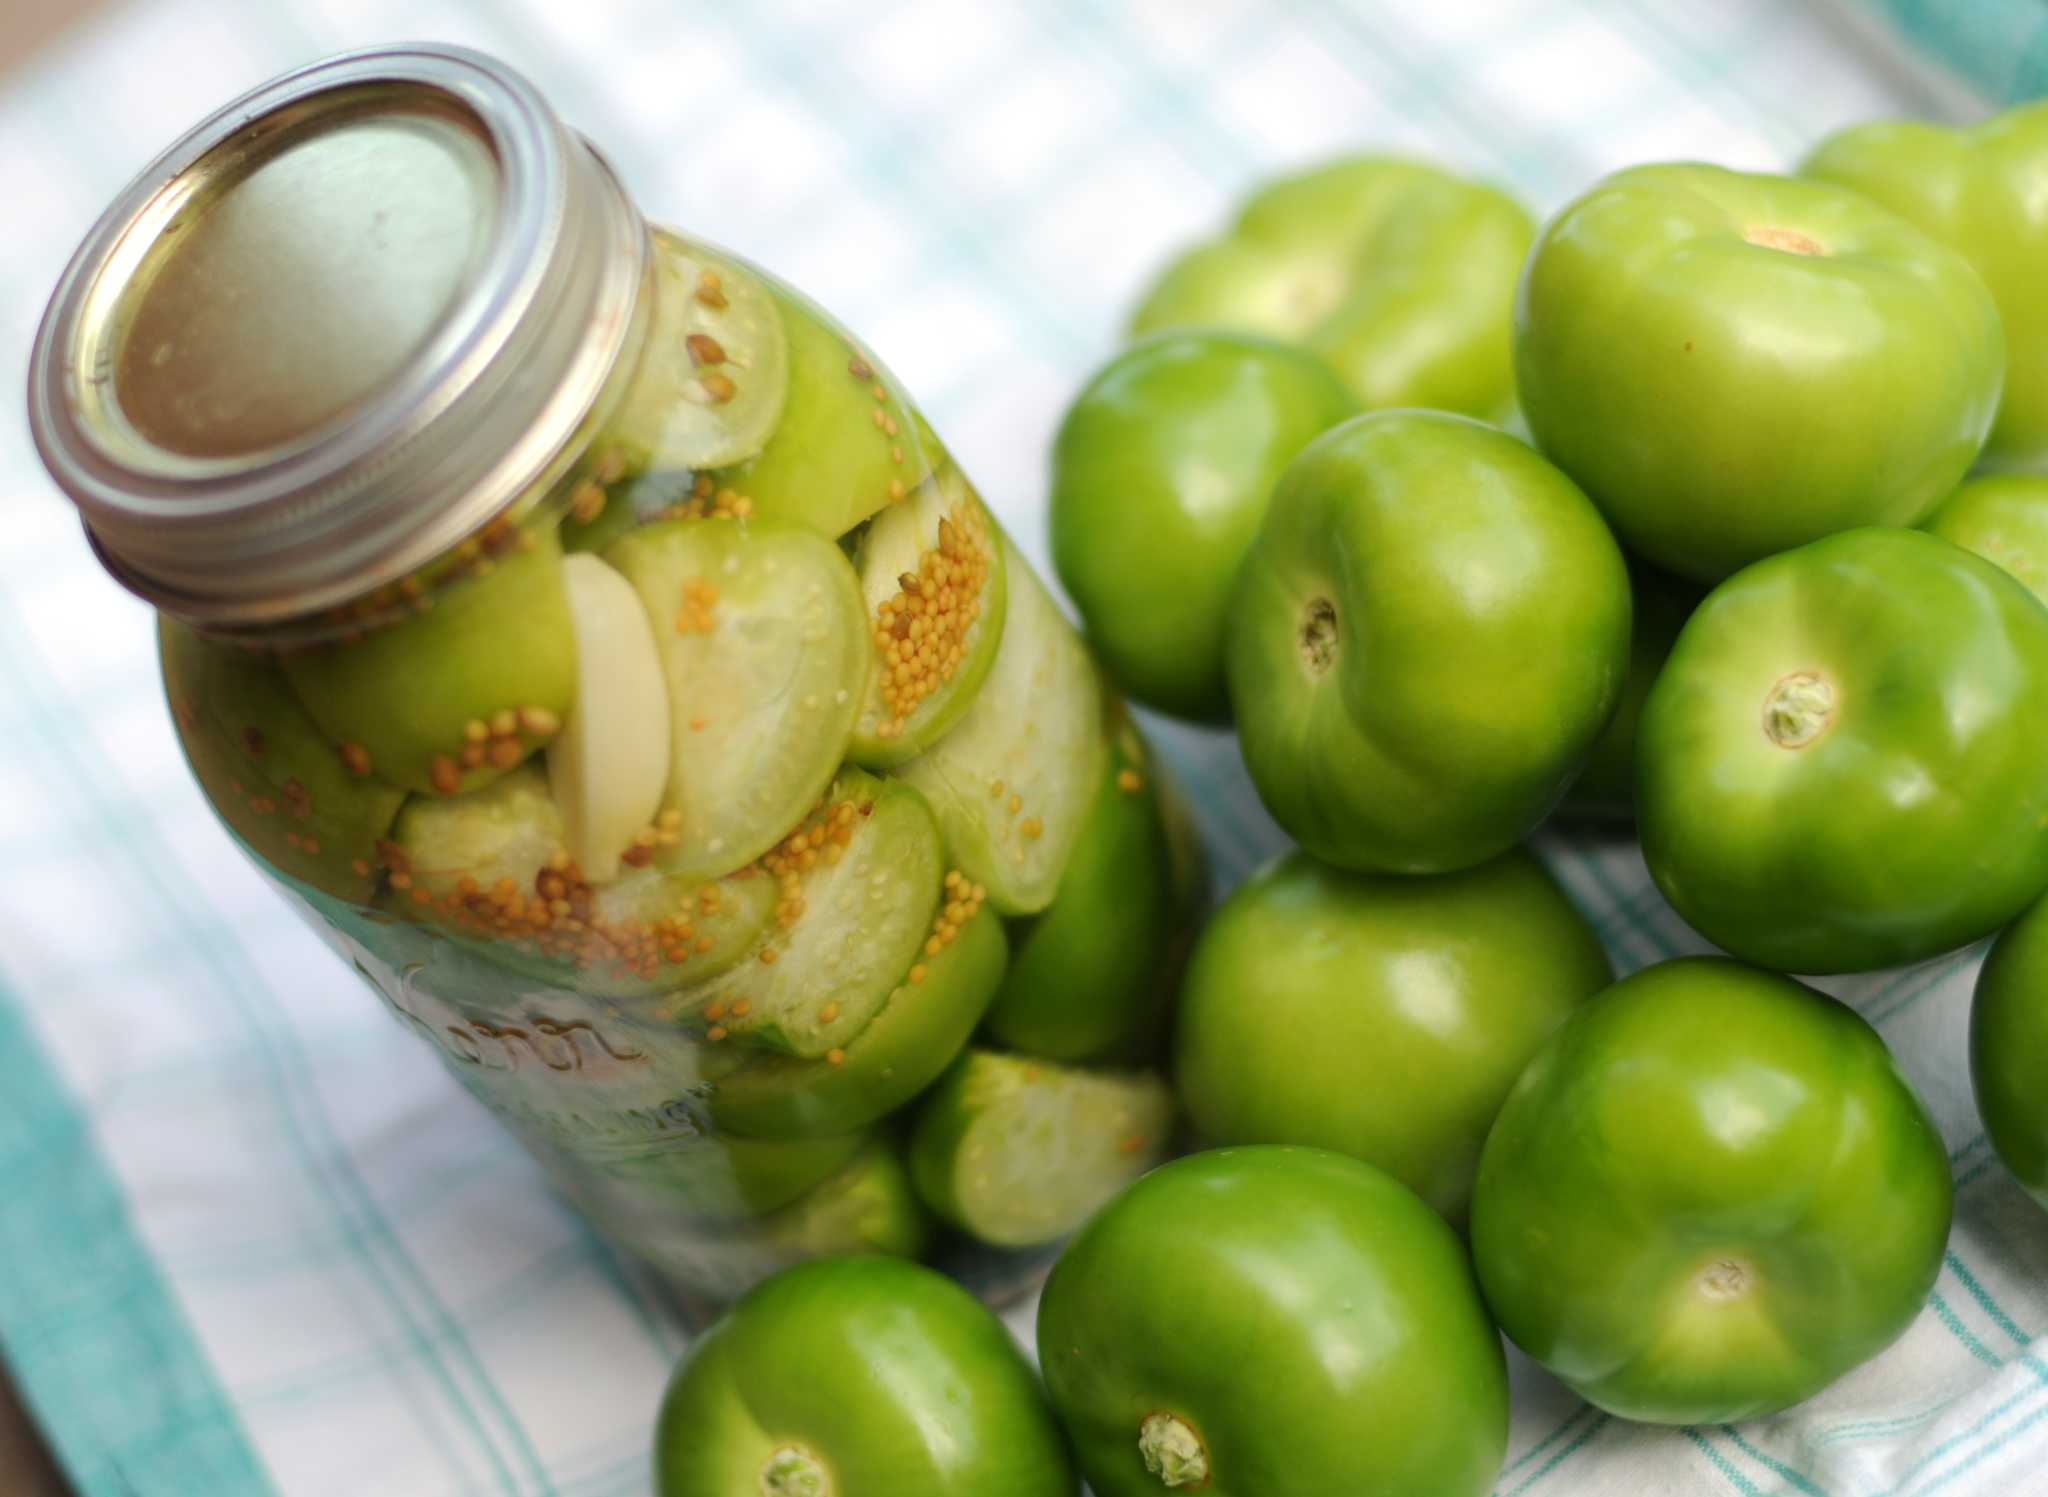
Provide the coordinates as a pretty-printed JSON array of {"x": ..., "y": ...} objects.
[
  {"x": 894, "y": 545},
  {"x": 511, "y": 829},
  {"x": 763, "y": 704},
  {"x": 865, "y": 918},
  {"x": 406, "y": 692},
  {"x": 833, "y": 459},
  {"x": 267, "y": 769},
  {"x": 1035, "y": 731},
  {"x": 909, "y": 1042},
  {"x": 676, "y": 413},
  {"x": 1016, "y": 1151}
]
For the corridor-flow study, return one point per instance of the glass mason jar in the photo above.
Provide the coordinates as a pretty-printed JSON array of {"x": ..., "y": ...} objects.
[{"x": 592, "y": 641}]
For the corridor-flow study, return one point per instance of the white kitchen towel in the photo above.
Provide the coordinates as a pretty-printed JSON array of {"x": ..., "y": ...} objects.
[{"x": 252, "y": 1237}]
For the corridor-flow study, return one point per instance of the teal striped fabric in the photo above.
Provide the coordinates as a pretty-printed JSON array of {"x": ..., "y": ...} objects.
[
  {"x": 1998, "y": 46},
  {"x": 252, "y": 1238}
]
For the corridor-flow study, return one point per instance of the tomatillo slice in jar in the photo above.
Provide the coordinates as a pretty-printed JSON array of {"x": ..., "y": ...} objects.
[
  {"x": 1430, "y": 633},
  {"x": 1093, "y": 975},
  {"x": 1016, "y": 1152},
  {"x": 1840, "y": 767},
  {"x": 923, "y": 1024},
  {"x": 2004, "y": 519},
  {"x": 731, "y": 1180},
  {"x": 847, "y": 443},
  {"x": 1978, "y": 190},
  {"x": 449, "y": 697},
  {"x": 714, "y": 375},
  {"x": 1384, "y": 1017},
  {"x": 2009, "y": 1049},
  {"x": 1733, "y": 365},
  {"x": 1160, "y": 474},
  {"x": 1400, "y": 275},
  {"x": 268, "y": 771},
  {"x": 931, "y": 573},
  {"x": 1710, "y": 1195},
  {"x": 489, "y": 865},
  {"x": 866, "y": 1206},
  {"x": 1011, "y": 783},
  {"x": 858, "y": 1377},
  {"x": 857, "y": 887},
  {"x": 1273, "y": 1322},
  {"x": 764, "y": 647}
]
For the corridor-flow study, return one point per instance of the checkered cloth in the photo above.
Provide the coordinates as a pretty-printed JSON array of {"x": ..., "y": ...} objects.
[{"x": 252, "y": 1237}]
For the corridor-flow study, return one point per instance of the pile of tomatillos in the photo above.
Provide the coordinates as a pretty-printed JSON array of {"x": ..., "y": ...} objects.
[{"x": 1707, "y": 506}]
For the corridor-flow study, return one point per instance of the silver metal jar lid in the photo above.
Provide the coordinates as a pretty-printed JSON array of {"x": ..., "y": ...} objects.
[{"x": 340, "y": 325}]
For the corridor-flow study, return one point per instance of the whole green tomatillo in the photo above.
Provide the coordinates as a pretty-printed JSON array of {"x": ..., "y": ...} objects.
[
  {"x": 1710, "y": 1195},
  {"x": 1733, "y": 365},
  {"x": 1429, "y": 634},
  {"x": 1984, "y": 192}
]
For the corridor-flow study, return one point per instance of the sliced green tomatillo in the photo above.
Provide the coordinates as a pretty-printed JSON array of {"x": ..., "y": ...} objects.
[
  {"x": 931, "y": 572},
  {"x": 848, "y": 443},
  {"x": 1091, "y": 979},
  {"x": 1016, "y": 1152},
  {"x": 1011, "y": 783},
  {"x": 449, "y": 698},
  {"x": 920, "y": 1028},
  {"x": 714, "y": 379},
  {"x": 610, "y": 763},
  {"x": 856, "y": 887},
  {"x": 268, "y": 771},
  {"x": 765, "y": 651},
  {"x": 491, "y": 867}
]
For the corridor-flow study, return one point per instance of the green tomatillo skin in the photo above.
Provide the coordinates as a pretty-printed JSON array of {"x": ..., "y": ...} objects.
[
  {"x": 2004, "y": 519},
  {"x": 1982, "y": 191},
  {"x": 858, "y": 1377},
  {"x": 1383, "y": 1017},
  {"x": 1733, "y": 365},
  {"x": 1161, "y": 472},
  {"x": 1399, "y": 275},
  {"x": 1093, "y": 977},
  {"x": 1840, "y": 767},
  {"x": 2009, "y": 1049},
  {"x": 1710, "y": 1195},
  {"x": 1430, "y": 633},
  {"x": 1273, "y": 1322},
  {"x": 1605, "y": 790}
]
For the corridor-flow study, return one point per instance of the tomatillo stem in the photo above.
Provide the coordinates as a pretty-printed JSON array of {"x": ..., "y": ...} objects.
[
  {"x": 1318, "y": 635},
  {"x": 1798, "y": 709},
  {"x": 794, "y": 1472},
  {"x": 1172, "y": 1451}
]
